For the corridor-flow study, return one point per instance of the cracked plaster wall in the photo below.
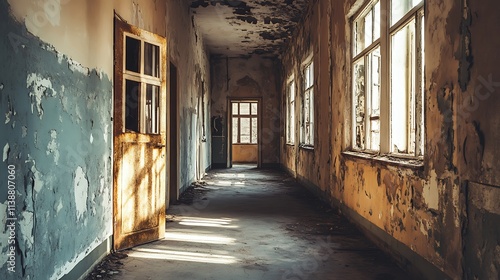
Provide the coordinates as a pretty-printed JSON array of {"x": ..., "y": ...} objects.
[
  {"x": 56, "y": 131},
  {"x": 435, "y": 210},
  {"x": 56, "y": 100},
  {"x": 188, "y": 52}
]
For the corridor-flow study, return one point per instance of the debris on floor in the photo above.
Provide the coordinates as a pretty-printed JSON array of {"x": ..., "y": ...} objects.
[
  {"x": 108, "y": 267},
  {"x": 259, "y": 229},
  {"x": 193, "y": 191}
]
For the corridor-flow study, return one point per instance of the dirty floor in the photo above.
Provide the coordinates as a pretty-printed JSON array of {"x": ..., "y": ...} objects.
[{"x": 246, "y": 223}]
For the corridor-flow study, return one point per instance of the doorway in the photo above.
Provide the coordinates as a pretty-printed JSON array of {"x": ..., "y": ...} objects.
[
  {"x": 174, "y": 129},
  {"x": 244, "y": 132}
]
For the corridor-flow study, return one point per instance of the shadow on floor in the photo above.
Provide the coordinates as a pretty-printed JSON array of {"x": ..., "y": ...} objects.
[{"x": 247, "y": 223}]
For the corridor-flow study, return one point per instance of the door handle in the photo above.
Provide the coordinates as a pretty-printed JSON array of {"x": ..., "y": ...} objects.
[{"x": 159, "y": 145}]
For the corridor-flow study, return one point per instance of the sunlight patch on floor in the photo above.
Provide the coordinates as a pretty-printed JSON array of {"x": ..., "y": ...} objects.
[
  {"x": 205, "y": 222},
  {"x": 146, "y": 253},
  {"x": 198, "y": 238}
]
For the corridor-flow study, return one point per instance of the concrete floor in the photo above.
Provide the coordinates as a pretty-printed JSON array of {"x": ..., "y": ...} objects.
[{"x": 257, "y": 224}]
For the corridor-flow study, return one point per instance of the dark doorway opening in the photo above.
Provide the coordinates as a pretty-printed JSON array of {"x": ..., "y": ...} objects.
[{"x": 174, "y": 162}]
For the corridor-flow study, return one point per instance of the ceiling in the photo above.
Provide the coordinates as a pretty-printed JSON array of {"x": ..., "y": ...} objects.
[{"x": 237, "y": 28}]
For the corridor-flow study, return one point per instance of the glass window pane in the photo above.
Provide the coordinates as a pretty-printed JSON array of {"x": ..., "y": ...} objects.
[
  {"x": 402, "y": 87},
  {"x": 368, "y": 28},
  {"x": 133, "y": 54},
  {"x": 254, "y": 108},
  {"x": 235, "y": 109},
  {"x": 306, "y": 107},
  {"x": 254, "y": 131},
  {"x": 308, "y": 76},
  {"x": 373, "y": 95},
  {"x": 311, "y": 118},
  {"x": 291, "y": 114},
  {"x": 375, "y": 68},
  {"x": 311, "y": 74},
  {"x": 132, "y": 97},
  {"x": 400, "y": 7},
  {"x": 152, "y": 110},
  {"x": 151, "y": 60},
  {"x": 375, "y": 135},
  {"x": 244, "y": 108},
  {"x": 245, "y": 130},
  {"x": 376, "y": 21},
  {"x": 235, "y": 130},
  {"x": 359, "y": 103},
  {"x": 359, "y": 36}
]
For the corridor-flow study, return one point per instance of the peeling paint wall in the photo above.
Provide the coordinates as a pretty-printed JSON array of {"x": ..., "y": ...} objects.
[
  {"x": 433, "y": 211},
  {"x": 254, "y": 77},
  {"x": 52, "y": 105},
  {"x": 189, "y": 54},
  {"x": 56, "y": 96},
  {"x": 311, "y": 165}
]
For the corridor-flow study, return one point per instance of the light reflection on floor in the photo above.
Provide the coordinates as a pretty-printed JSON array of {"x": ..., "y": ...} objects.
[
  {"x": 147, "y": 253},
  {"x": 187, "y": 244}
]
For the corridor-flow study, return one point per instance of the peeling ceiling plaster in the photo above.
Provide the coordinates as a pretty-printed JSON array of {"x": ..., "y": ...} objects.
[{"x": 241, "y": 28}]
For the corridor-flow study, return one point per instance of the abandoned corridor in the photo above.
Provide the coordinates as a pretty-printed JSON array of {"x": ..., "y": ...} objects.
[{"x": 249, "y": 223}]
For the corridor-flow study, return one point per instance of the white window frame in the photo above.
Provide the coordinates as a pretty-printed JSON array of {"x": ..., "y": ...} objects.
[
  {"x": 415, "y": 108},
  {"x": 236, "y": 120},
  {"x": 290, "y": 111},
  {"x": 307, "y": 108}
]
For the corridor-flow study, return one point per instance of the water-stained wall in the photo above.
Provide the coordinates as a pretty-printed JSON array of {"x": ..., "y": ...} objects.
[
  {"x": 253, "y": 77},
  {"x": 439, "y": 215},
  {"x": 57, "y": 132},
  {"x": 56, "y": 96},
  {"x": 188, "y": 52}
]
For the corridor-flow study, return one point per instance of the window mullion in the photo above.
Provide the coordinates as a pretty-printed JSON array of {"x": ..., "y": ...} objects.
[
  {"x": 250, "y": 129},
  {"x": 142, "y": 111},
  {"x": 143, "y": 56},
  {"x": 385, "y": 78},
  {"x": 239, "y": 130},
  {"x": 419, "y": 134}
]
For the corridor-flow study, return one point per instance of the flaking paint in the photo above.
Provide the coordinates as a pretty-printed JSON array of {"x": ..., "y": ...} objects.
[
  {"x": 423, "y": 207},
  {"x": 54, "y": 103}
]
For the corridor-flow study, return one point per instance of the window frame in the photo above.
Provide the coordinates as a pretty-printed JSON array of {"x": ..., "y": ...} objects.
[
  {"x": 384, "y": 42},
  {"x": 290, "y": 110},
  {"x": 239, "y": 116},
  {"x": 307, "y": 141},
  {"x": 144, "y": 80}
]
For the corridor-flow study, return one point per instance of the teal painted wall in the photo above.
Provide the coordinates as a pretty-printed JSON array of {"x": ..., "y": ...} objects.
[{"x": 56, "y": 129}]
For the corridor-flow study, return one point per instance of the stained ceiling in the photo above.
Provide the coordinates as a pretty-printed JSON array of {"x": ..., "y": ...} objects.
[{"x": 237, "y": 28}]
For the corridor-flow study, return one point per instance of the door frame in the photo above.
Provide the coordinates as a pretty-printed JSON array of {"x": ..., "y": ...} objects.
[
  {"x": 230, "y": 128},
  {"x": 173, "y": 189}
]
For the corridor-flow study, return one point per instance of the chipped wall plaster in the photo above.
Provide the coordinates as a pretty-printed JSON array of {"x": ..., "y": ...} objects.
[
  {"x": 81, "y": 186},
  {"x": 69, "y": 23},
  {"x": 421, "y": 205},
  {"x": 187, "y": 51},
  {"x": 62, "y": 147},
  {"x": 56, "y": 103},
  {"x": 6, "y": 149}
]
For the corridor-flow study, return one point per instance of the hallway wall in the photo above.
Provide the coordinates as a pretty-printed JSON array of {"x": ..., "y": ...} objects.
[
  {"x": 56, "y": 91},
  {"x": 248, "y": 78},
  {"x": 434, "y": 214},
  {"x": 188, "y": 52}
]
